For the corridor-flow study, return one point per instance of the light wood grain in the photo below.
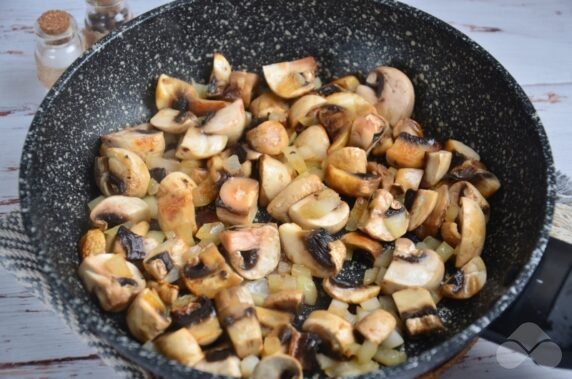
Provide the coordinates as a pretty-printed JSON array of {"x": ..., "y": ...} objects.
[{"x": 531, "y": 38}]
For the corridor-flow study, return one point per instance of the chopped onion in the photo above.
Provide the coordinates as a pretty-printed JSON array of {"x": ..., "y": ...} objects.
[
  {"x": 387, "y": 303},
  {"x": 394, "y": 340},
  {"x": 338, "y": 307},
  {"x": 324, "y": 361},
  {"x": 371, "y": 304},
  {"x": 384, "y": 259},
  {"x": 350, "y": 317},
  {"x": 325, "y": 203},
  {"x": 295, "y": 160},
  {"x": 231, "y": 165},
  {"x": 248, "y": 364},
  {"x": 380, "y": 274},
  {"x": 432, "y": 242},
  {"x": 259, "y": 289},
  {"x": 360, "y": 206},
  {"x": 156, "y": 235},
  {"x": 172, "y": 276},
  {"x": 278, "y": 282},
  {"x": 370, "y": 275},
  {"x": 153, "y": 187},
  {"x": 390, "y": 357},
  {"x": 152, "y": 204},
  {"x": 284, "y": 267},
  {"x": 202, "y": 89},
  {"x": 366, "y": 352},
  {"x": 210, "y": 232},
  {"x": 308, "y": 287},
  {"x": 301, "y": 270},
  {"x": 445, "y": 251}
]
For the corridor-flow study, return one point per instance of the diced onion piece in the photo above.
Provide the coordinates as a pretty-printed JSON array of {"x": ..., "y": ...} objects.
[
  {"x": 394, "y": 340},
  {"x": 295, "y": 159},
  {"x": 380, "y": 274},
  {"x": 271, "y": 346},
  {"x": 390, "y": 357},
  {"x": 324, "y": 361},
  {"x": 338, "y": 307},
  {"x": 308, "y": 287},
  {"x": 153, "y": 187},
  {"x": 259, "y": 289},
  {"x": 231, "y": 165},
  {"x": 386, "y": 303},
  {"x": 370, "y": 275},
  {"x": 432, "y": 242},
  {"x": 421, "y": 246},
  {"x": 210, "y": 232},
  {"x": 152, "y": 204},
  {"x": 326, "y": 202},
  {"x": 361, "y": 313},
  {"x": 384, "y": 259},
  {"x": 445, "y": 251},
  {"x": 301, "y": 270},
  {"x": 359, "y": 207},
  {"x": 350, "y": 317},
  {"x": 248, "y": 364},
  {"x": 366, "y": 352},
  {"x": 284, "y": 267},
  {"x": 172, "y": 276},
  {"x": 277, "y": 282},
  {"x": 156, "y": 235},
  {"x": 371, "y": 304},
  {"x": 110, "y": 237},
  {"x": 395, "y": 225},
  {"x": 353, "y": 348},
  {"x": 92, "y": 204}
]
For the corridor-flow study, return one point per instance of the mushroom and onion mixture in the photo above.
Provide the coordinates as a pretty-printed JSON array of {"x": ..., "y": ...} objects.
[{"x": 223, "y": 219}]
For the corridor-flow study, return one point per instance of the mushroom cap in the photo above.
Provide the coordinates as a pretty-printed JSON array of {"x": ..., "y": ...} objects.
[
  {"x": 385, "y": 219},
  {"x": 285, "y": 300},
  {"x": 313, "y": 143},
  {"x": 350, "y": 159},
  {"x": 196, "y": 144},
  {"x": 291, "y": 79},
  {"x": 174, "y": 121},
  {"x": 367, "y": 130},
  {"x": 220, "y": 75},
  {"x": 270, "y": 137},
  {"x": 332, "y": 328},
  {"x": 395, "y": 93},
  {"x": 269, "y": 104},
  {"x": 274, "y": 177},
  {"x": 408, "y": 151},
  {"x": 376, "y": 326},
  {"x": 348, "y": 292},
  {"x": 118, "y": 209},
  {"x": 121, "y": 172},
  {"x": 142, "y": 139},
  {"x": 361, "y": 243},
  {"x": 353, "y": 185},
  {"x": 302, "y": 108},
  {"x": 417, "y": 308},
  {"x": 147, "y": 316},
  {"x": 237, "y": 202},
  {"x": 228, "y": 121},
  {"x": 467, "y": 281},
  {"x": 278, "y": 366},
  {"x": 423, "y": 205},
  {"x": 180, "y": 346},
  {"x": 299, "y": 188},
  {"x": 176, "y": 209}
]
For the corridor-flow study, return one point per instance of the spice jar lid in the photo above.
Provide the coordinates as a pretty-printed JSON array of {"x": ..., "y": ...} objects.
[{"x": 54, "y": 22}]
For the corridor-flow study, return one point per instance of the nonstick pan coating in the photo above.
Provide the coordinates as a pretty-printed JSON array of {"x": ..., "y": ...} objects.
[{"x": 461, "y": 92}]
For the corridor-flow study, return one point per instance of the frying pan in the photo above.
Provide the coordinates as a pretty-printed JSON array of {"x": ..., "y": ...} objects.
[{"x": 461, "y": 92}]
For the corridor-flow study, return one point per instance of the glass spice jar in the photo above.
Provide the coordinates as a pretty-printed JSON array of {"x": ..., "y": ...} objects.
[
  {"x": 102, "y": 17},
  {"x": 58, "y": 44}
]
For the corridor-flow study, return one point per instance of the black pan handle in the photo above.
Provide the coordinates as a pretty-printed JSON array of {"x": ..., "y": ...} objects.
[{"x": 546, "y": 301}]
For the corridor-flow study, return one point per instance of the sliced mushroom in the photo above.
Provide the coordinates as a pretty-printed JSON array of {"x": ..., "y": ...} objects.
[
  {"x": 409, "y": 151},
  {"x": 180, "y": 346},
  {"x": 167, "y": 292},
  {"x": 367, "y": 130},
  {"x": 237, "y": 202},
  {"x": 461, "y": 149},
  {"x": 274, "y": 177},
  {"x": 92, "y": 243},
  {"x": 198, "y": 145},
  {"x": 129, "y": 244},
  {"x": 174, "y": 121},
  {"x": 143, "y": 140},
  {"x": 270, "y": 138},
  {"x": 229, "y": 121},
  {"x": 220, "y": 75},
  {"x": 221, "y": 361},
  {"x": 362, "y": 244},
  {"x": 147, "y": 316},
  {"x": 299, "y": 188},
  {"x": 281, "y": 340},
  {"x": 331, "y": 328},
  {"x": 165, "y": 257},
  {"x": 473, "y": 232},
  {"x": 386, "y": 219},
  {"x": 272, "y": 318},
  {"x": 334, "y": 119},
  {"x": 408, "y": 179},
  {"x": 315, "y": 249},
  {"x": 394, "y": 91},
  {"x": 291, "y": 79},
  {"x": 350, "y": 159},
  {"x": 177, "y": 94},
  {"x": 304, "y": 111},
  {"x": 278, "y": 366},
  {"x": 467, "y": 281},
  {"x": 410, "y": 267},
  {"x": 466, "y": 189},
  {"x": 450, "y": 233},
  {"x": 436, "y": 167},
  {"x": 237, "y": 314},
  {"x": 367, "y": 93},
  {"x": 198, "y": 316},
  {"x": 328, "y": 89},
  {"x": 347, "y": 82},
  {"x": 285, "y": 300},
  {"x": 208, "y": 273},
  {"x": 176, "y": 210},
  {"x": 353, "y": 185},
  {"x": 352, "y": 104},
  {"x": 253, "y": 250},
  {"x": 348, "y": 292},
  {"x": 268, "y": 105},
  {"x": 476, "y": 173},
  {"x": 376, "y": 326},
  {"x": 113, "y": 280},
  {"x": 115, "y": 210},
  {"x": 417, "y": 308},
  {"x": 241, "y": 85},
  {"x": 121, "y": 172},
  {"x": 387, "y": 174},
  {"x": 423, "y": 205},
  {"x": 322, "y": 209},
  {"x": 313, "y": 143},
  {"x": 409, "y": 126},
  {"x": 431, "y": 225}
]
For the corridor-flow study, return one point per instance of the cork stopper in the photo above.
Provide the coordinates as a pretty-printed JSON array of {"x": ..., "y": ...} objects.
[{"x": 54, "y": 22}]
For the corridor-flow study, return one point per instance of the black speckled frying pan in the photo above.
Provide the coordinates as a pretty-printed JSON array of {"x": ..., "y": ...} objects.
[{"x": 461, "y": 92}]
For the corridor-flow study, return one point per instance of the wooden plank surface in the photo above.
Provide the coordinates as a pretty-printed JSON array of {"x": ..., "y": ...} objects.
[{"x": 531, "y": 38}]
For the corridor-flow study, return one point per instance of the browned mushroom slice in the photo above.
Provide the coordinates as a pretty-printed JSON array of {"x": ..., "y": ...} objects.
[
  {"x": 473, "y": 232},
  {"x": 254, "y": 250},
  {"x": 410, "y": 267},
  {"x": 147, "y": 316},
  {"x": 115, "y": 210},
  {"x": 467, "y": 281},
  {"x": 423, "y": 205},
  {"x": 220, "y": 360},
  {"x": 334, "y": 119},
  {"x": 269, "y": 106},
  {"x": 164, "y": 258},
  {"x": 291, "y": 79},
  {"x": 229, "y": 121},
  {"x": 167, "y": 292},
  {"x": 177, "y": 94},
  {"x": 385, "y": 219},
  {"x": 409, "y": 151},
  {"x": 353, "y": 185},
  {"x": 350, "y": 159},
  {"x": 461, "y": 149},
  {"x": 270, "y": 138},
  {"x": 196, "y": 144},
  {"x": 367, "y": 93},
  {"x": 299, "y": 188},
  {"x": 465, "y": 189},
  {"x": 322, "y": 209},
  {"x": 436, "y": 167},
  {"x": 92, "y": 243},
  {"x": 331, "y": 328},
  {"x": 313, "y": 143},
  {"x": 348, "y": 292},
  {"x": 450, "y": 233},
  {"x": 274, "y": 177},
  {"x": 121, "y": 172},
  {"x": 409, "y": 126},
  {"x": 475, "y": 172},
  {"x": 220, "y": 75},
  {"x": 304, "y": 111},
  {"x": 240, "y": 86},
  {"x": 352, "y": 104},
  {"x": 367, "y": 130},
  {"x": 408, "y": 179},
  {"x": 281, "y": 340},
  {"x": 208, "y": 273},
  {"x": 362, "y": 244},
  {"x": 417, "y": 309},
  {"x": 347, "y": 82},
  {"x": 272, "y": 318},
  {"x": 237, "y": 202},
  {"x": 237, "y": 314},
  {"x": 315, "y": 249},
  {"x": 180, "y": 346},
  {"x": 174, "y": 121},
  {"x": 143, "y": 140},
  {"x": 278, "y": 366},
  {"x": 431, "y": 225},
  {"x": 376, "y": 326},
  {"x": 285, "y": 300},
  {"x": 394, "y": 91},
  {"x": 113, "y": 280},
  {"x": 129, "y": 244},
  {"x": 198, "y": 316},
  {"x": 176, "y": 210}
]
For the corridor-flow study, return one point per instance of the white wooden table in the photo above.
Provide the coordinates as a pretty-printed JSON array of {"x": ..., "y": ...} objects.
[{"x": 531, "y": 38}]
